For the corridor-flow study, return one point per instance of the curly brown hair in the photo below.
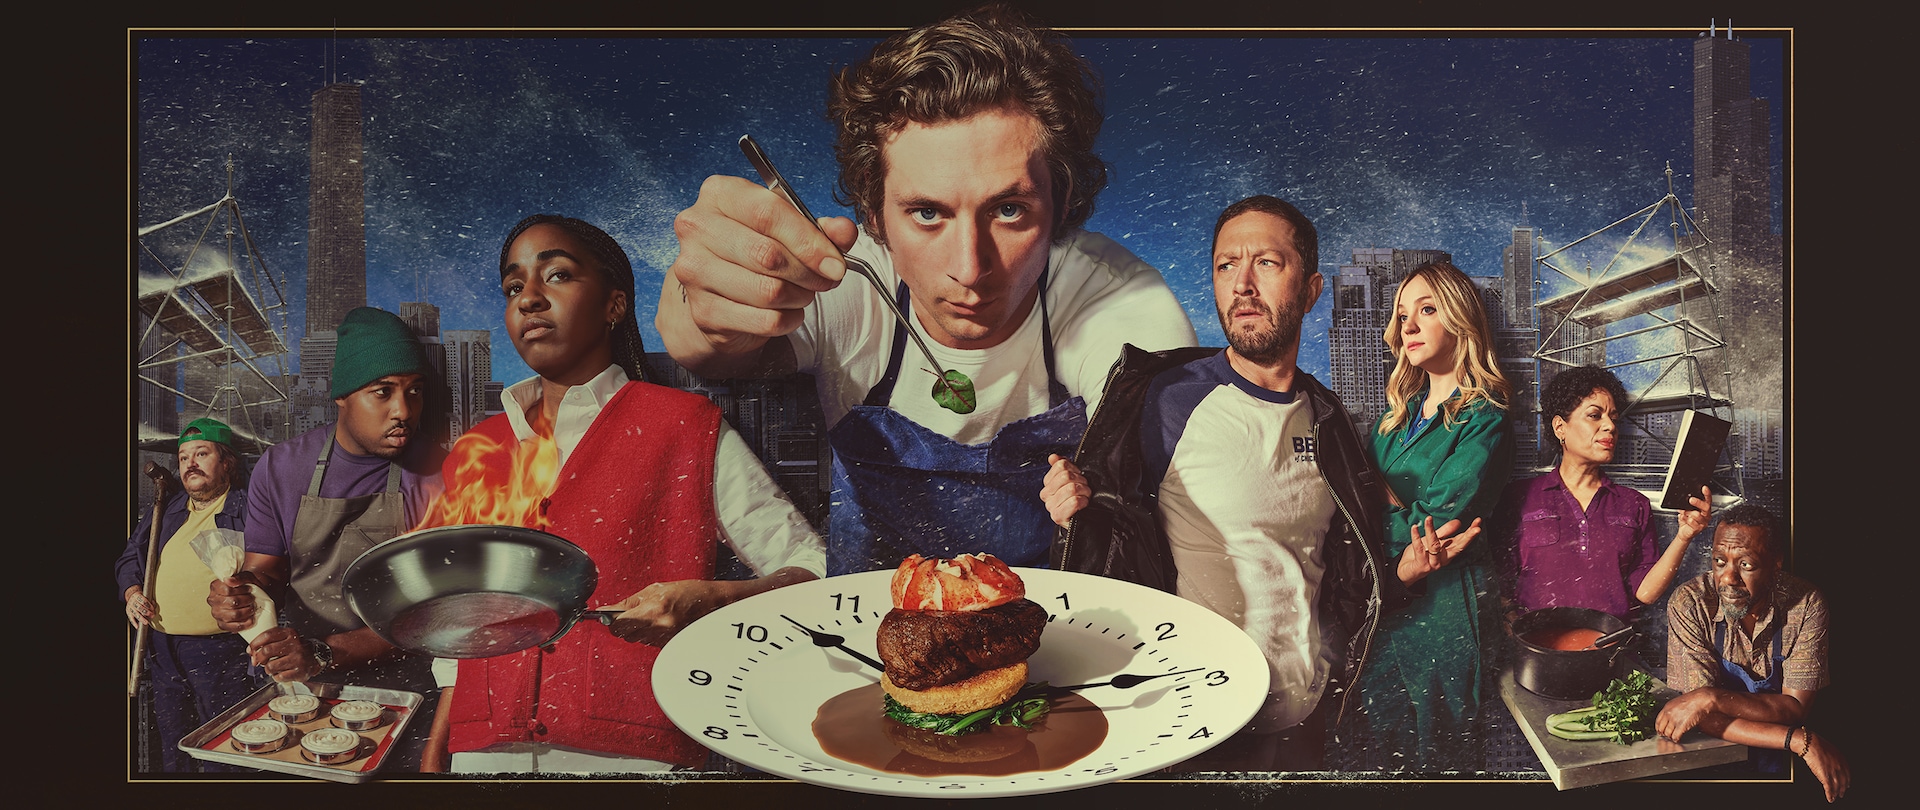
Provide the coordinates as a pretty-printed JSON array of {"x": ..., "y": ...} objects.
[{"x": 988, "y": 57}]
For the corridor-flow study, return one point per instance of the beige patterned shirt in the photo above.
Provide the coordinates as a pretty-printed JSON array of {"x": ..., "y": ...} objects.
[{"x": 1797, "y": 614}]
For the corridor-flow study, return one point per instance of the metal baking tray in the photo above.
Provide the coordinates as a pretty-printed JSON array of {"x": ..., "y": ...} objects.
[{"x": 401, "y": 706}]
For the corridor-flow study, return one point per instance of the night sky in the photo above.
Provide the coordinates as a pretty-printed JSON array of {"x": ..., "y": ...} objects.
[{"x": 1430, "y": 142}]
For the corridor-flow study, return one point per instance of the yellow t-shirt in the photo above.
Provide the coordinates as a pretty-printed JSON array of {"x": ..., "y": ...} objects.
[{"x": 180, "y": 584}]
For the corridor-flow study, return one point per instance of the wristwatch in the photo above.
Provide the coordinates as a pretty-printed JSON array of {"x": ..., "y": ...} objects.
[{"x": 322, "y": 653}]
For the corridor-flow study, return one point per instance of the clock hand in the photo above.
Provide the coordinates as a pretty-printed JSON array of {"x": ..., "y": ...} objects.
[
  {"x": 1125, "y": 681},
  {"x": 825, "y": 639}
]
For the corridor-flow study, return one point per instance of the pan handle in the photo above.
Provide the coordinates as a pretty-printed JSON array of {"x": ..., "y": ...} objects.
[
  {"x": 1617, "y": 635},
  {"x": 604, "y": 616}
]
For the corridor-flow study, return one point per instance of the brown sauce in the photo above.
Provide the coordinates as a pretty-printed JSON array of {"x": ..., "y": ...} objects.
[
  {"x": 853, "y": 727},
  {"x": 1562, "y": 638}
]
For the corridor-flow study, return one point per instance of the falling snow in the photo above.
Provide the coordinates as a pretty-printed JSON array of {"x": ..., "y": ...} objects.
[{"x": 1412, "y": 143}]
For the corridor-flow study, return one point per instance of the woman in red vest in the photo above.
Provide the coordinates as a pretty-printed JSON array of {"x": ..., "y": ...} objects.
[{"x": 629, "y": 472}]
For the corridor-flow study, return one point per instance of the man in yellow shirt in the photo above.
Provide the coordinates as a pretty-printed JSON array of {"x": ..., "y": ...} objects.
[{"x": 197, "y": 670}]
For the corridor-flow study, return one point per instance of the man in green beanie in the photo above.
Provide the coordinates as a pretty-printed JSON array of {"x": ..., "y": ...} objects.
[
  {"x": 197, "y": 670},
  {"x": 320, "y": 500}
]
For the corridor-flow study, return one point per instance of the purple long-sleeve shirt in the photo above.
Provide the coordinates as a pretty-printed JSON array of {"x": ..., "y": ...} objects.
[{"x": 1561, "y": 555}]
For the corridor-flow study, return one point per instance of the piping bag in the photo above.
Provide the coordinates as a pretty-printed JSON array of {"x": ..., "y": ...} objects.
[{"x": 223, "y": 550}]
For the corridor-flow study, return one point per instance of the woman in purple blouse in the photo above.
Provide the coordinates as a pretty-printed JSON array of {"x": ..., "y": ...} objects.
[{"x": 1574, "y": 537}]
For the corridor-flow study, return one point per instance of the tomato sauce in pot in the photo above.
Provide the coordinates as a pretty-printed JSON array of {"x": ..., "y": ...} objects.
[{"x": 1562, "y": 638}]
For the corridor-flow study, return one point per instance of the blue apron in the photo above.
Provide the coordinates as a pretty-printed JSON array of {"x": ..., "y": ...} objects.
[
  {"x": 900, "y": 489},
  {"x": 1768, "y": 761}
]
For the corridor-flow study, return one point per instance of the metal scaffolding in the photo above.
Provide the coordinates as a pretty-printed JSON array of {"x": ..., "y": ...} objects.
[
  {"x": 207, "y": 295},
  {"x": 1679, "y": 296}
]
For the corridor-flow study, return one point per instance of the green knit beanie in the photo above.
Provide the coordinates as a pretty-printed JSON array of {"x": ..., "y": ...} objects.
[
  {"x": 206, "y": 429},
  {"x": 373, "y": 343}
]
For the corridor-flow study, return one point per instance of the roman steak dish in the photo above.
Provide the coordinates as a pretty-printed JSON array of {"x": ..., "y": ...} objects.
[{"x": 959, "y": 634}]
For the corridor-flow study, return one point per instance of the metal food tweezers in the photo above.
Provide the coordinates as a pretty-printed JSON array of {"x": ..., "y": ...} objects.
[{"x": 778, "y": 184}]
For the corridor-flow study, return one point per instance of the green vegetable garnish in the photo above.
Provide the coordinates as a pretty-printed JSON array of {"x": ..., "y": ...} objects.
[
  {"x": 955, "y": 392},
  {"x": 1024, "y": 709},
  {"x": 1623, "y": 712}
]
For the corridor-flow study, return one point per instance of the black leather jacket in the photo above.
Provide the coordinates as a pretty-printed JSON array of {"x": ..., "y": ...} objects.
[{"x": 1119, "y": 536}]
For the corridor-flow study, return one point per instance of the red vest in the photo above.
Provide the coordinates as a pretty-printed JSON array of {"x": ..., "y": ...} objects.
[{"x": 637, "y": 494}]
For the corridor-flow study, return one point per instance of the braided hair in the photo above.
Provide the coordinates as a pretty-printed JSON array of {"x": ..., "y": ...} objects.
[{"x": 611, "y": 260}]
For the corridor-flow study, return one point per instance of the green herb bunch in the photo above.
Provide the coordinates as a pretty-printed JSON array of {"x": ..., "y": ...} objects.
[{"x": 1623, "y": 712}]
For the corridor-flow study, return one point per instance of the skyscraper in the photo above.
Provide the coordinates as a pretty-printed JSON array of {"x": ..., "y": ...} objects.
[
  {"x": 1515, "y": 338},
  {"x": 1357, "y": 359},
  {"x": 469, "y": 369},
  {"x": 336, "y": 210},
  {"x": 1733, "y": 201},
  {"x": 336, "y": 243}
]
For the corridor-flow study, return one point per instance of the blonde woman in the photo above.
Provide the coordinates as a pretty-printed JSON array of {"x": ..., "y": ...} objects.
[{"x": 1446, "y": 450}]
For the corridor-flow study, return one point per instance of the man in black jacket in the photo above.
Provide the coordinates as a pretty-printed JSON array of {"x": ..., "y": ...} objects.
[{"x": 1236, "y": 480}]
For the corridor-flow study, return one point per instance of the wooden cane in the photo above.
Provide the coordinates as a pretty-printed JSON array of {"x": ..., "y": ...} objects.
[{"x": 159, "y": 476}]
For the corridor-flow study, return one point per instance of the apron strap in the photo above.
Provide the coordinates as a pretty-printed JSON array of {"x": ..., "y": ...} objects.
[
  {"x": 320, "y": 468},
  {"x": 1056, "y": 390},
  {"x": 320, "y": 471},
  {"x": 1720, "y": 646},
  {"x": 882, "y": 392}
]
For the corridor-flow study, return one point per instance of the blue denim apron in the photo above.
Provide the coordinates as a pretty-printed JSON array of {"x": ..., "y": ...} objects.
[
  {"x": 1767, "y": 761},
  {"x": 899, "y": 488}
]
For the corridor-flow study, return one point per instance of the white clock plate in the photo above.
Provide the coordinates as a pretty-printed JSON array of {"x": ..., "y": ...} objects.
[{"x": 747, "y": 683}]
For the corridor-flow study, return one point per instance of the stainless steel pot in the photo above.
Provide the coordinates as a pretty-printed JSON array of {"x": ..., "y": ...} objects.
[
  {"x": 472, "y": 591},
  {"x": 1566, "y": 674}
]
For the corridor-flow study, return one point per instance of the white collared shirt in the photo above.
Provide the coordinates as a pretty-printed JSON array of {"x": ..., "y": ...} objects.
[{"x": 756, "y": 519}]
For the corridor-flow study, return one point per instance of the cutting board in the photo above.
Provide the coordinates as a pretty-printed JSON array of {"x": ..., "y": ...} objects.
[{"x": 1573, "y": 764}]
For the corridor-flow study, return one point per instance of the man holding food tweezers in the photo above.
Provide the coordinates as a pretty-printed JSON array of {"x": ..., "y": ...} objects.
[{"x": 965, "y": 149}]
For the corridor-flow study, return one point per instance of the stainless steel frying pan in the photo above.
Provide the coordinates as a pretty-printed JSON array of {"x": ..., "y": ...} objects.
[{"x": 473, "y": 591}]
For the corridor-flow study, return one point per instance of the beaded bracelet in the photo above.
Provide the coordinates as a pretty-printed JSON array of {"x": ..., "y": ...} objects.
[{"x": 1806, "y": 741}]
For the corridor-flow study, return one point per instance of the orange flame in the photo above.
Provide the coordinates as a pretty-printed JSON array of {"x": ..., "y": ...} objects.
[{"x": 481, "y": 490}]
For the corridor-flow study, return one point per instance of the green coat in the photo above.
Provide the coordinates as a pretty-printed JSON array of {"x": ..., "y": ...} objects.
[{"x": 1421, "y": 694}]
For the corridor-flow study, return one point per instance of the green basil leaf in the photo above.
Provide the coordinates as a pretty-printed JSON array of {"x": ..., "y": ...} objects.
[{"x": 955, "y": 392}]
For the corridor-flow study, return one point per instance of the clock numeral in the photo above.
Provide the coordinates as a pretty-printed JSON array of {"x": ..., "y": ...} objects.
[
  {"x": 715, "y": 732},
  {"x": 1104, "y": 771},
  {"x": 750, "y": 632},
  {"x": 1166, "y": 630},
  {"x": 849, "y": 601},
  {"x": 1202, "y": 734},
  {"x": 805, "y": 768},
  {"x": 953, "y": 786},
  {"x": 699, "y": 677},
  {"x": 1216, "y": 677},
  {"x": 1064, "y": 604}
]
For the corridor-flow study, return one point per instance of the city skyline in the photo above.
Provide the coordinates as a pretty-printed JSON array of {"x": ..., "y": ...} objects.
[{"x": 439, "y": 187}]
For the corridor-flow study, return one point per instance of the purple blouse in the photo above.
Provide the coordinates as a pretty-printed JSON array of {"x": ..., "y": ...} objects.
[{"x": 1561, "y": 555}]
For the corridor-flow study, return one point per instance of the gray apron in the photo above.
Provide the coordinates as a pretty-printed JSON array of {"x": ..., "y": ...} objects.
[{"x": 328, "y": 535}]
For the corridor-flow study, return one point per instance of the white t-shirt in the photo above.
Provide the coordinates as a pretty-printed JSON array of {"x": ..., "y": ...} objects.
[
  {"x": 1245, "y": 510},
  {"x": 1099, "y": 296}
]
